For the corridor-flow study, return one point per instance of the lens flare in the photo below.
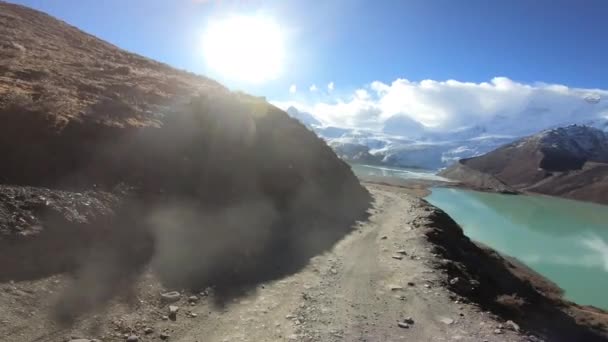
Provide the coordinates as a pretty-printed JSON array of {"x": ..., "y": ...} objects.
[{"x": 244, "y": 48}]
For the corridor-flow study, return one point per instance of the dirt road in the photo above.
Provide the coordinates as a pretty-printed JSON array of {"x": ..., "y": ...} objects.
[{"x": 377, "y": 276}]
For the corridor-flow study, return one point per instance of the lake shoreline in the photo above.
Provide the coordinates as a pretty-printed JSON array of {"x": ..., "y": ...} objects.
[
  {"x": 525, "y": 300},
  {"x": 562, "y": 239}
]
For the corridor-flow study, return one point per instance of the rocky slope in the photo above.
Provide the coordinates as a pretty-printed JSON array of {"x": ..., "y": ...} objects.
[
  {"x": 570, "y": 162},
  {"x": 116, "y": 162}
]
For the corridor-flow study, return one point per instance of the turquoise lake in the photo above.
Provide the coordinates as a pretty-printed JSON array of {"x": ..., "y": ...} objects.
[
  {"x": 564, "y": 240},
  {"x": 362, "y": 170}
]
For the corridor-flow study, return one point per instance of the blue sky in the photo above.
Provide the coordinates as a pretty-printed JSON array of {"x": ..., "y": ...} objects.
[{"x": 353, "y": 43}]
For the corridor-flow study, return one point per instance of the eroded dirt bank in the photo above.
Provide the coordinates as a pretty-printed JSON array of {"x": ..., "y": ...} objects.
[{"x": 406, "y": 274}]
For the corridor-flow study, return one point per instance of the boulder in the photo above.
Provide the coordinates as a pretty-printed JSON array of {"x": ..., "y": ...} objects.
[{"x": 170, "y": 297}]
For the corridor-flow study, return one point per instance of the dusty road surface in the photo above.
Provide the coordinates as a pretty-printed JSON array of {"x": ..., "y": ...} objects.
[
  {"x": 377, "y": 284},
  {"x": 373, "y": 279}
]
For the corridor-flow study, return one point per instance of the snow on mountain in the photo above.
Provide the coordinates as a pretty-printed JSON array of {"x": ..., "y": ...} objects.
[
  {"x": 404, "y": 126},
  {"x": 355, "y": 152},
  {"x": 474, "y": 147},
  {"x": 569, "y": 161},
  {"x": 306, "y": 118},
  {"x": 417, "y": 153},
  {"x": 579, "y": 141},
  {"x": 330, "y": 132},
  {"x": 406, "y": 143}
]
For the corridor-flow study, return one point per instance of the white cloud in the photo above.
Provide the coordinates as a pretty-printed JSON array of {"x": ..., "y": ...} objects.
[
  {"x": 313, "y": 88},
  {"x": 501, "y": 103},
  {"x": 330, "y": 86},
  {"x": 293, "y": 89},
  {"x": 362, "y": 94}
]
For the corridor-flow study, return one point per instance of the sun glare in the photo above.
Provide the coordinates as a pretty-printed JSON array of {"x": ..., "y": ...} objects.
[{"x": 244, "y": 48}]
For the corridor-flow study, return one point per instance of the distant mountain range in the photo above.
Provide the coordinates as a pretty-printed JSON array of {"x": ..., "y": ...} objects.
[
  {"x": 404, "y": 142},
  {"x": 569, "y": 162}
]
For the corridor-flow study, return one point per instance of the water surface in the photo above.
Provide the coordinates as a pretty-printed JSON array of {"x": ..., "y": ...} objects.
[
  {"x": 564, "y": 240},
  {"x": 363, "y": 171}
]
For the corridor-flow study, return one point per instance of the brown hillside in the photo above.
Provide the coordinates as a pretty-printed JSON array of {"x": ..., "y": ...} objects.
[
  {"x": 47, "y": 63},
  {"x": 111, "y": 156},
  {"x": 568, "y": 162}
]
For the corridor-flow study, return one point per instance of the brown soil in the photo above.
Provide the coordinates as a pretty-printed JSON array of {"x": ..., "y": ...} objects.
[
  {"x": 117, "y": 163},
  {"x": 356, "y": 291},
  {"x": 477, "y": 180},
  {"x": 528, "y": 166},
  {"x": 49, "y": 66}
]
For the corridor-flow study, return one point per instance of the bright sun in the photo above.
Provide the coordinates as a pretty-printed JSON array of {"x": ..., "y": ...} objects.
[{"x": 244, "y": 48}]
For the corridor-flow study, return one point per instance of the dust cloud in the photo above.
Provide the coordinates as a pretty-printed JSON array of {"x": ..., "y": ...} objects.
[
  {"x": 192, "y": 246},
  {"x": 227, "y": 193}
]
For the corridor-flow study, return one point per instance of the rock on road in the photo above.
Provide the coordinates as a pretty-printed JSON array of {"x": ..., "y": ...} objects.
[
  {"x": 379, "y": 283},
  {"x": 356, "y": 292}
]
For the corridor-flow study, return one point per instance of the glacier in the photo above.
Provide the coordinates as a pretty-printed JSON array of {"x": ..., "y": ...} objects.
[{"x": 406, "y": 143}]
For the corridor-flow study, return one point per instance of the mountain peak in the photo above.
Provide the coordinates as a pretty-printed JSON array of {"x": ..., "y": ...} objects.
[
  {"x": 305, "y": 118},
  {"x": 579, "y": 141},
  {"x": 570, "y": 161},
  {"x": 403, "y": 125}
]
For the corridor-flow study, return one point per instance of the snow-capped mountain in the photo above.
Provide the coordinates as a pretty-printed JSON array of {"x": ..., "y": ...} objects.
[
  {"x": 575, "y": 141},
  {"x": 306, "y": 118},
  {"x": 569, "y": 161},
  {"x": 406, "y": 143},
  {"x": 401, "y": 125}
]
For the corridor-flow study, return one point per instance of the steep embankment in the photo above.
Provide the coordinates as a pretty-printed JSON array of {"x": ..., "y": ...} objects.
[
  {"x": 116, "y": 161},
  {"x": 569, "y": 162}
]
